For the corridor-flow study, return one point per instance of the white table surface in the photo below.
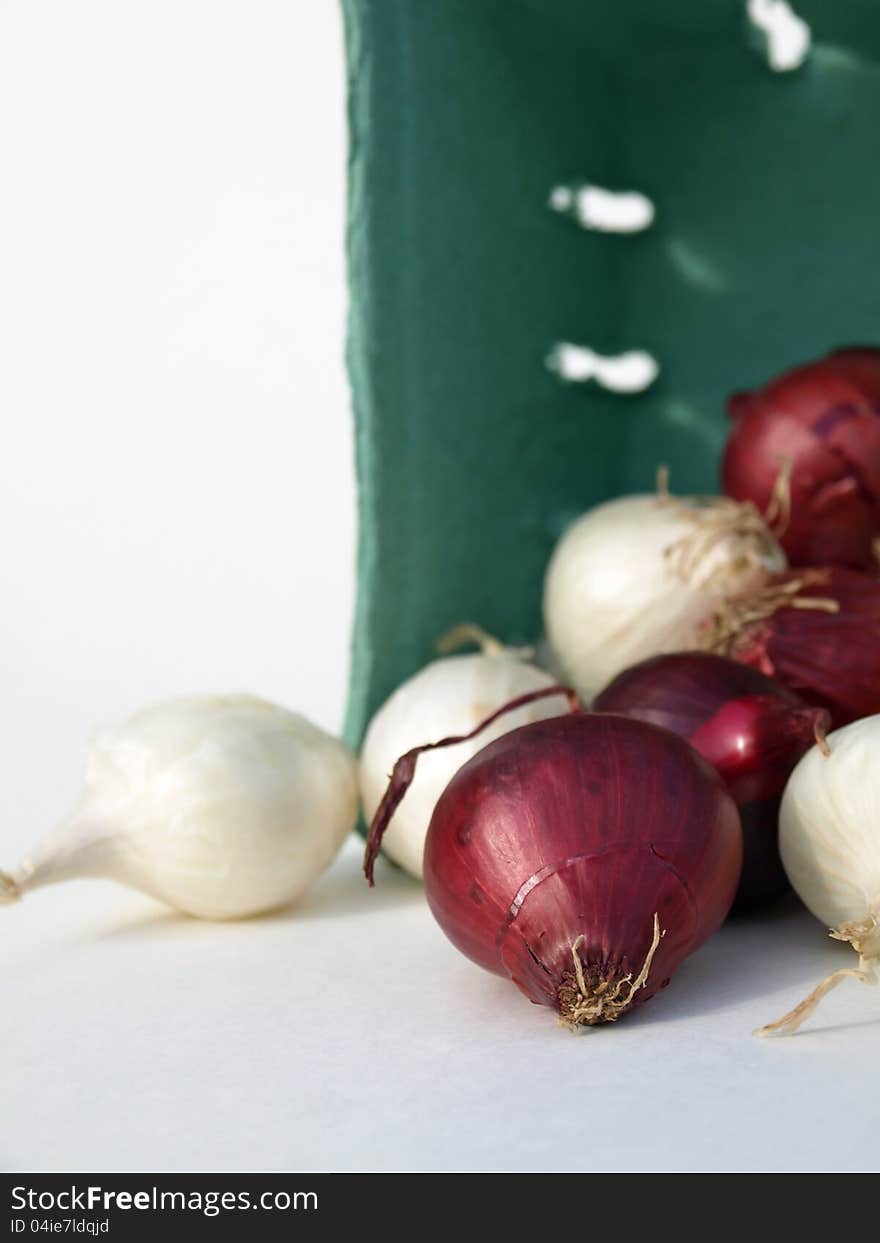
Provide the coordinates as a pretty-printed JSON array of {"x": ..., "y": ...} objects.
[{"x": 349, "y": 1035}]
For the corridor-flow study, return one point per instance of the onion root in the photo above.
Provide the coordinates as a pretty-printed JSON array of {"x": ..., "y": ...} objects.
[
  {"x": 9, "y": 889},
  {"x": 864, "y": 936},
  {"x": 718, "y": 520},
  {"x": 777, "y": 515},
  {"x": 722, "y": 635},
  {"x": 587, "y": 1003}
]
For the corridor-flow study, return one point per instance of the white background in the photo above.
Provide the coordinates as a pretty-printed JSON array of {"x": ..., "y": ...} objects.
[
  {"x": 176, "y": 474},
  {"x": 178, "y": 514}
]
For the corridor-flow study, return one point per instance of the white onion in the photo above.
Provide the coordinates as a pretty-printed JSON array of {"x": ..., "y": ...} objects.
[
  {"x": 640, "y": 575},
  {"x": 448, "y": 697},
  {"x": 829, "y": 839},
  {"x": 221, "y": 806}
]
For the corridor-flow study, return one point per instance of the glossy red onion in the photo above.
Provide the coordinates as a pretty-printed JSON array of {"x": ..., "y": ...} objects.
[
  {"x": 751, "y": 730},
  {"x": 824, "y": 419},
  {"x": 815, "y": 631},
  {"x": 583, "y": 856}
]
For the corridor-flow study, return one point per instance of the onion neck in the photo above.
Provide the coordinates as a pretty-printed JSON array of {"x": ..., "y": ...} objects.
[
  {"x": 864, "y": 937},
  {"x": 468, "y": 632},
  {"x": 586, "y": 998},
  {"x": 82, "y": 847}
]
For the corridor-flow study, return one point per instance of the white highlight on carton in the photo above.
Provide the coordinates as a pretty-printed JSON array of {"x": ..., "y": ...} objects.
[
  {"x": 788, "y": 36},
  {"x": 630, "y": 372},
  {"x": 607, "y": 211}
]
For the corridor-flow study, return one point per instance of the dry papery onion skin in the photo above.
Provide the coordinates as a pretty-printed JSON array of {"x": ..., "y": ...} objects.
[
  {"x": 540, "y": 871},
  {"x": 816, "y": 630},
  {"x": 830, "y": 846},
  {"x": 449, "y": 696},
  {"x": 822, "y": 418},
  {"x": 751, "y": 730},
  {"x": 221, "y": 806},
  {"x": 640, "y": 575}
]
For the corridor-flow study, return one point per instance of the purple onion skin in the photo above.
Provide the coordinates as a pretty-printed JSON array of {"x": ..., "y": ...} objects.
[
  {"x": 583, "y": 825},
  {"x": 824, "y": 418},
  {"x": 751, "y": 730},
  {"x": 831, "y": 659}
]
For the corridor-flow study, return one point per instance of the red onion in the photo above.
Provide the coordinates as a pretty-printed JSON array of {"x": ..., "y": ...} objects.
[
  {"x": 815, "y": 631},
  {"x": 823, "y": 420},
  {"x": 751, "y": 730},
  {"x": 583, "y": 856}
]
